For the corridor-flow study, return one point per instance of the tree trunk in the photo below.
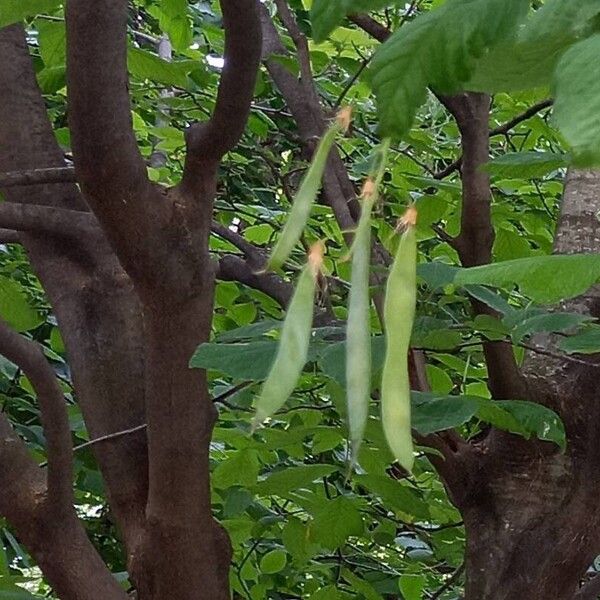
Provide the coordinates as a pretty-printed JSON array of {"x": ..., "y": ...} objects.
[{"x": 531, "y": 512}]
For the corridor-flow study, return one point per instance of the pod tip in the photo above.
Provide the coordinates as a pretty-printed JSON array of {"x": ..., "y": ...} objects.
[
  {"x": 344, "y": 117},
  {"x": 409, "y": 218},
  {"x": 369, "y": 189},
  {"x": 315, "y": 256}
]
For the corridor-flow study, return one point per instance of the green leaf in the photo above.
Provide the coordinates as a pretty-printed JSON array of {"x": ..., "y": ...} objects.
[
  {"x": 544, "y": 279},
  {"x": 273, "y": 562},
  {"x": 10, "y": 591},
  {"x": 508, "y": 244},
  {"x": 14, "y": 307},
  {"x": 145, "y": 65},
  {"x": 526, "y": 165},
  {"x": 394, "y": 495},
  {"x": 326, "y": 15},
  {"x": 431, "y": 414},
  {"x": 530, "y": 61},
  {"x": 240, "y": 468},
  {"x": 13, "y": 11},
  {"x": 52, "y": 37},
  {"x": 587, "y": 342},
  {"x": 335, "y": 521},
  {"x": 52, "y": 79},
  {"x": 439, "y": 49},
  {"x": 295, "y": 538},
  {"x": 174, "y": 21},
  {"x": 537, "y": 420},
  {"x": 547, "y": 322},
  {"x": 362, "y": 586},
  {"x": 412, "y": 586},
  {"x": 577, "y": 100},
  {"x": 292, "y": 479},
  {"x": 247, "y": 360}
]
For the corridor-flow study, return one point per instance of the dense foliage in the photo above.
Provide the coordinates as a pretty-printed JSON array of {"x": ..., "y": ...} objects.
[{"x": 300, "y": 526}]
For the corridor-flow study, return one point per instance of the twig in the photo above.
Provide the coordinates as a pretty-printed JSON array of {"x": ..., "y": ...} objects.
[{"x": 449, "y": 582}]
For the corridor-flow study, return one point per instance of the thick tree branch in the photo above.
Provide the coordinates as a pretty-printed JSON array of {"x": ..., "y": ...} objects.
[
  {"x": 104, "y": 145},
  {"x": 93, "y": 300},
  {"x": 243, "y": 41},
  {"x": 28, "y": 356},
  {"x": 474, "y": 243},
  {"x": 303, "y": 102}
]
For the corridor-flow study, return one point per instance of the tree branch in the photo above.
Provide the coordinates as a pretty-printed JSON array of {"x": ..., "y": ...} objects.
[
  {"x": 232, "y": 268},
  {"x": 369, "y": 25},
  {"x": 38, "y": 176},
  {"x": 500, "y": 130},
  {"x": 48, "y": 220},
  {"x": 104, "y": 144},
  {"x": 28, "y": 356},
  {"x": 243, "y": 42},
  {"x": 474, "y": 243}
]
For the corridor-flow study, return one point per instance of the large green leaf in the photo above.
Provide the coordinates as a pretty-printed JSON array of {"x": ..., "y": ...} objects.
[
  {"x": 431, "y": 414},
  {"x": 246, "y": 360},
  {"x": 335, "y": 521},
  {"x": 52, "y": 37},
  {"x": 544, "y": 279},
  {"x": 438, "y": 49},
  {"x": 577, "y": 103},
  {"x": 530, "y": 60},
  {"x": 174, "y": 21},
  {"x": 537, "y": 420},
  {"x": 14, "y": 307},
  {"x": 293, "y": 478},
  {"x": 586, "y": 342},
  {"x": 527, "y": 165},
  {"x": 145, "y": 65},
  {"x": 12, "y": 11}
]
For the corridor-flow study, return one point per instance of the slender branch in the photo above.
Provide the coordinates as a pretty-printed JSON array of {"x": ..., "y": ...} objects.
[
  {"x": 37, "y": 176},
  {"x": 233, "y": 268},
  {"x": 28, "y": 355},
  {"x": 243, "y": 42},
  {"x": 500, "y": 130},
  {"x": 48, "y": 219},
  {"x": 448, "y": 583},
  {"x": 250, "y": 250},
  {"x": 371, "y": 26},
  {"x": 527, "y": 114}
]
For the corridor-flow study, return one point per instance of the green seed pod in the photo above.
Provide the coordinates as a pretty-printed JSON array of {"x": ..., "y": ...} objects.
[
  {"x": 399, "y": 314},
  {"x": 307, "y": 193},
  {"x": 293, "y": 345},
  {"x": 358, "y": 330}
]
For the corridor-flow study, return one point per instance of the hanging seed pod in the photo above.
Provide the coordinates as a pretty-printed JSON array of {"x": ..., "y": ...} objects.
[
  {"x": 399, "y": 314},
  {"x": 293, "y": 345},
  {"x": 307, "y": 193},
  {"x": 358, "y": 329}
]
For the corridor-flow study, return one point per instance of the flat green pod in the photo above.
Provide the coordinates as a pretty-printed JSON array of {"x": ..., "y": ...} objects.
[
  {"x": 307, "y": 193},
  {"x": 293, "y": 345},
  {"x": 399, "y": 314}
]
